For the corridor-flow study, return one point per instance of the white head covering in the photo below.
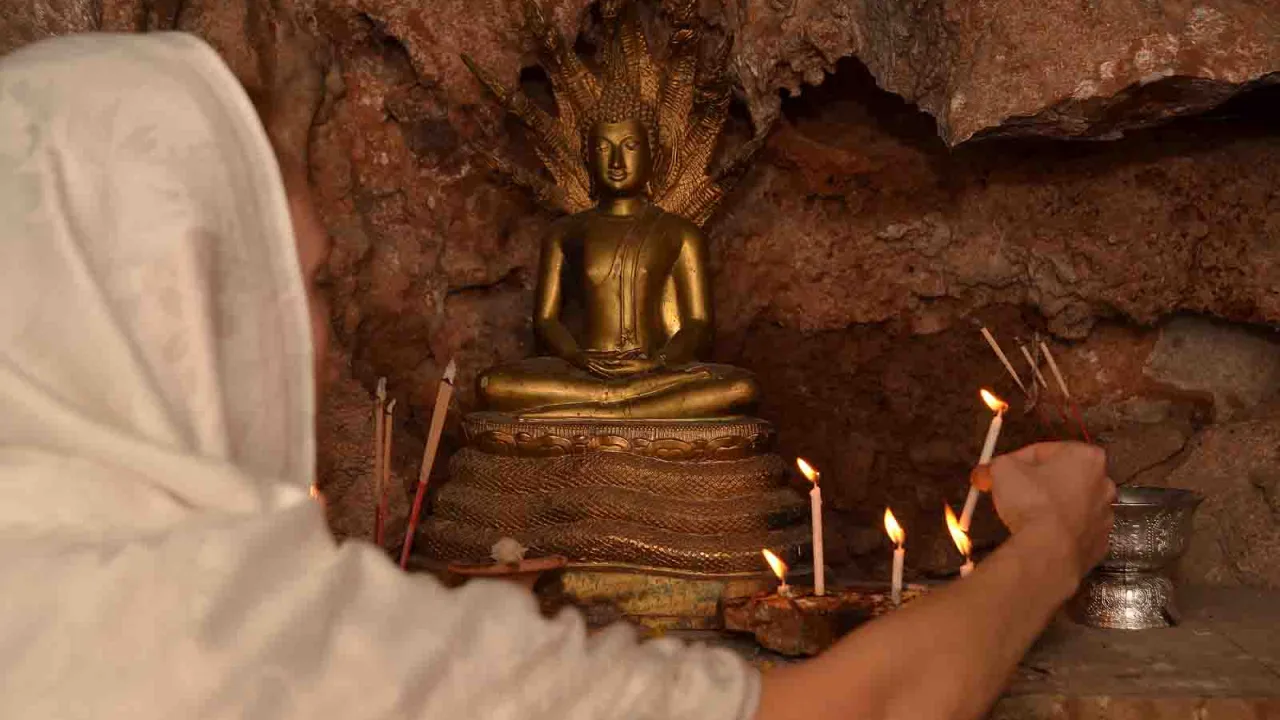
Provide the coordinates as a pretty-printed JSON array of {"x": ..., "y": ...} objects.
[
  {"x": 153, "y": 307},
  {"x": 159, "y": 557}
]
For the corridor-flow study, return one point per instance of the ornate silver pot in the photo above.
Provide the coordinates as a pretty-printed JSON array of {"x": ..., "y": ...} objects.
[{"x": 1131, "y": 588}]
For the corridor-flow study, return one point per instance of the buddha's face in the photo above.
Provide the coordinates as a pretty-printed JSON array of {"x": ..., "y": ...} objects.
[{"x": 620, "y": 157}]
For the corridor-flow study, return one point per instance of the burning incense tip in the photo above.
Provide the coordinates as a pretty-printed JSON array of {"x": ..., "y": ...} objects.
[
  {"x": 391, "y": 406},
  {"x": 451, "y": 371},
  {"x": 382, "y": 389}
]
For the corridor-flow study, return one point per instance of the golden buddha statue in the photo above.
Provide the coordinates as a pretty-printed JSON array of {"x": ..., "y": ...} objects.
[
  {"x": 642, "y": 278},
  {"x": 630, "y": 255},
  {"x": 619, "y": 449}
]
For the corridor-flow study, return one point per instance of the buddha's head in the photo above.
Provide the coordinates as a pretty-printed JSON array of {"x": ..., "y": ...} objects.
[{"x": 620, "y": 158}]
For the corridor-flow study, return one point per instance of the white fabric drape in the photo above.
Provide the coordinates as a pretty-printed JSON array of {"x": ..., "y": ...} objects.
[{"x": 159, "y": 555}]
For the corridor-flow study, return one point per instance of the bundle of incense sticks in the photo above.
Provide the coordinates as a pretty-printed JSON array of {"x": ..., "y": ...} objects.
[
  {"x": 1039, "y": 378},
  {"x": 443, "y": 395},
  {"x": 1039, "y": 386}
]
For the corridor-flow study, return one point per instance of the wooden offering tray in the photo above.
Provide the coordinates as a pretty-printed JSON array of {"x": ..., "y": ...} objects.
[{"x": 805, "y": 624}]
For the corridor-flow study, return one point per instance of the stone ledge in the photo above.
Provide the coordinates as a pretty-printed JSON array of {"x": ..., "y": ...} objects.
[{"x": 1222, "y": 662}]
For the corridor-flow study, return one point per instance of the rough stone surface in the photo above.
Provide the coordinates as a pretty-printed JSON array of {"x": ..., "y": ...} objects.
[
  {"x": 1221, "y": 663},
  {"x": 854, "y": 260},
  {"x": 1236, "y": 540},
  {"x": 1239, "y": 370},
  {"x": 1059, "y": 67}
]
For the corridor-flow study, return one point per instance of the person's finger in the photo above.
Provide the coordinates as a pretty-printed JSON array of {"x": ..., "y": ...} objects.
[{"x": 981, "y": 477}]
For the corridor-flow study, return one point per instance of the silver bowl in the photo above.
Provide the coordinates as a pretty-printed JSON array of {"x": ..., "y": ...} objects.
[{"x": 1131, "y": 588}]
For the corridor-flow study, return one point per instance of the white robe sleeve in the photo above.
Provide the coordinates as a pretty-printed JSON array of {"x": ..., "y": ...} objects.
[{"x": 263, "y": 617}]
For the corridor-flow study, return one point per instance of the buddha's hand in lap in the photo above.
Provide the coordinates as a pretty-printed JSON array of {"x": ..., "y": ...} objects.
[{"x": 613, "y": 365}]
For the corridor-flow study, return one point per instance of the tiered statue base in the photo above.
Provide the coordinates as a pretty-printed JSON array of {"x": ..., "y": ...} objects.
[{"x": 664, "y": 517}]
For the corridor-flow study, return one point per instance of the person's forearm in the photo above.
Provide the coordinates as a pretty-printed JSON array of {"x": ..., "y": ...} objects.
[{"x": 946, "y": 655}]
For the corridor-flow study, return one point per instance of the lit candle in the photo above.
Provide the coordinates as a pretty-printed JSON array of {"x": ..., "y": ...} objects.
[
  {"x": 780, "y": 569},
  {"x": 961, "y": 539},
  {"x": 897, "y": 535},
  {"x": 998, "y": 407},
  {"x": 815, "y": 507}
]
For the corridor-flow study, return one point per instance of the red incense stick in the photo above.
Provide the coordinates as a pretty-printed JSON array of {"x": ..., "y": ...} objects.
[{"x": 443, "y": 396}]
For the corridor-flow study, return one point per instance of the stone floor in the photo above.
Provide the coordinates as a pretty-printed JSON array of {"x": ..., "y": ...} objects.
[{"x": 1222, "y": 662}]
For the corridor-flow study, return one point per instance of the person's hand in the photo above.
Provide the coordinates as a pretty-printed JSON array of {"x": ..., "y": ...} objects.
[{"x": 1057, "y": 491}]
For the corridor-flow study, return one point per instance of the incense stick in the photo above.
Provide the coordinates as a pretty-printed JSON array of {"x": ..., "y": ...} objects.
[
  {"x": 1004, "y": 360},
  {"x": 443, "y": 395},
  {"x": 384, "y": 465},
  {"x": 1062, "y": 384},
  {"x": 379, "y": 412},
  {"x": 1042, "y": 417},
  {"x": 1032, "y": 363}
]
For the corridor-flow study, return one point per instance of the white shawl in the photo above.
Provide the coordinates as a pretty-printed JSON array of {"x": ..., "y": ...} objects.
[{"x": 159, "y": 555}]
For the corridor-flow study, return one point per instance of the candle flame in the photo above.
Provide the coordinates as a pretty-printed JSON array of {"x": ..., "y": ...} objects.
[
  {"x": 892, "y": 527},
  {"x": 807, "y": 470},
  {"x": 995, "y": 403},
  {"x": 775, "y": 563},
  {"x": 314, "y": 492},
  {"x": 958, "y": 535}
]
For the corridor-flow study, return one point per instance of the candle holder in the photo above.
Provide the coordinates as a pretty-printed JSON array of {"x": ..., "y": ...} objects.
[
  {"x": 1131, "y": 589},
  {"x": 803, "y": 624}
]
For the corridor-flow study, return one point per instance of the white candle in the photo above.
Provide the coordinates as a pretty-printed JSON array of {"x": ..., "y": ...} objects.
[
  {"x": 899, "y": 556},
  {"x": 998, "y": 406},
  {"x": 897, "y": 535},
  {"x": 815, "y": 507}
]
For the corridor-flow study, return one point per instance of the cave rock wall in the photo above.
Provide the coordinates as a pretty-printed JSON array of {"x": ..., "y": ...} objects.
[{"x": 906, "y": 195}]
